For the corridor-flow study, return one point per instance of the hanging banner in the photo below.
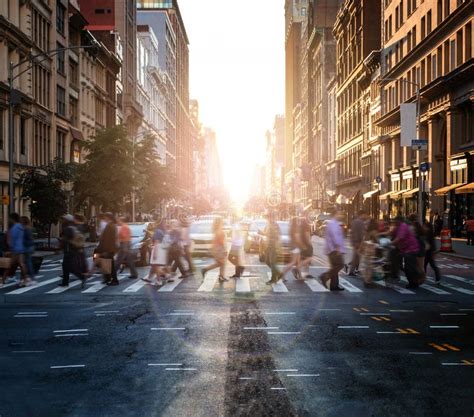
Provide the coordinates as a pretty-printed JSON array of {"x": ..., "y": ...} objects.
[{"x": 407, "y": 123}]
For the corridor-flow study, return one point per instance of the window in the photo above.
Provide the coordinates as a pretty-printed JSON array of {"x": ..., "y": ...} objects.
[
  {"x": 423, "y": 27},
  {"x": 73, "y": 111},
  {"x": 459, "y": 42},
  {"x": 468, "y": 42},
  {"x": 2, "y": 127},
  {"x": 60, "y": 59},
  {"x": 61, "y": 101},
  {"x": 60, "y": 17},
  {"x": 73, "y": 74},
  {"x": 22, "y": 136},
  {"x": 440, "y": 12},
  {"x": 60, "y": 144},
  {"x": 41, "y": 80},
  {"x": 446, "y": 8},
  {"x": 40, "y": 30},
  {"x": 41, "y": 148},
  {"x": 452, "y": 57}
]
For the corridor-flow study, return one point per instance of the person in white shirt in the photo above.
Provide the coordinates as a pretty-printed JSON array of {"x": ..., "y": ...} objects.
[{"x": 236, "y": 250}]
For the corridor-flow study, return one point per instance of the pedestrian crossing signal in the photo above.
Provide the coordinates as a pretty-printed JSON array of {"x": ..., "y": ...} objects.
[{"x": 5, "y": 200}]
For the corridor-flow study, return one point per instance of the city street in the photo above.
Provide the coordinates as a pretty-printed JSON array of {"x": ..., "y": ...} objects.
[{"x": 199, "y": 348}]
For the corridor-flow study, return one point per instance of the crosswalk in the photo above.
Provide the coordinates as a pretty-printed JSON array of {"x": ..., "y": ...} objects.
[{"x": 252, "y": 282}]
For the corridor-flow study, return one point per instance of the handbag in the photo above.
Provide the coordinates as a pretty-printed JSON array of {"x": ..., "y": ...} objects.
[
  {"x": 5, "y": 262},
  {"x": 105, "y": 265}
]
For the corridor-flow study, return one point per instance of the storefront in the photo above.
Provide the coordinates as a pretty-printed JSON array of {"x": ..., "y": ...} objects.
[{"x": 372, "y": 203}]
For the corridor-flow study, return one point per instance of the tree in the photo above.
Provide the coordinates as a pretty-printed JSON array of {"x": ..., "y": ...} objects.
[
  {"x": 106, "y": 177},
  {"x": 44, "y": 187}
]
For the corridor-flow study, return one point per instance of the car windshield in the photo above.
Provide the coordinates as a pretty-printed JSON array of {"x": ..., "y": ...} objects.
[
  {"x": 137, "y": 230},
  {"x": 284, "y": 228},
  {"x": 201, "y": 227},
  {"x": 258, "y": 225}
]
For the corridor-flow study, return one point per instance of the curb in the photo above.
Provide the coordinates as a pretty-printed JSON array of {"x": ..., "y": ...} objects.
[{"x": 455, "y": 255}]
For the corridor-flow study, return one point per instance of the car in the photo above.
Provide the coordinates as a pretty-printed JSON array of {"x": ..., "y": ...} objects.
[
  {"x": 142, "y": 242},
  {"x": 320, "y": 224},
  {"x": 285, "y": 248},
  {"x": 254, "y": 234},
  {"x": 201, "y": 236}
]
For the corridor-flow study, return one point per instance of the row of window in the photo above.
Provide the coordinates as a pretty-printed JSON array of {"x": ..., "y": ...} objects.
[{"x": 349, "y": 164}]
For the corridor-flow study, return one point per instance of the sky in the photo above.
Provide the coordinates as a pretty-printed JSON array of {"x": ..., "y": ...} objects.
[{"x": 237, "y": 73}]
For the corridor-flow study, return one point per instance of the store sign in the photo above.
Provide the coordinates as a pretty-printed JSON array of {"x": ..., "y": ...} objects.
[
  {"x": 407, "y": 175},
  {"x": 407, "y": 123},
  {"x": 458, "y": 164},
  {"x": 395, "y": 177}
]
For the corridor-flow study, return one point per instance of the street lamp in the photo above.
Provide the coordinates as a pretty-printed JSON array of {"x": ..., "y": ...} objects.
[
  {"x": 418, "y": 128},
  {"x": 14, "y": 99}
]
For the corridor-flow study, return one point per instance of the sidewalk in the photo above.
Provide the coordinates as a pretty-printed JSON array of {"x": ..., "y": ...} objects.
[{"x": 461, "y": 249}]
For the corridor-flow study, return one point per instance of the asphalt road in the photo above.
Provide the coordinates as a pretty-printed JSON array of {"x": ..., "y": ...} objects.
[{"x": 199, "y": 348}]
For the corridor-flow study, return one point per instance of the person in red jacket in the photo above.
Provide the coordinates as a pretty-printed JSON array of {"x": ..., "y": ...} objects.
[{"x": 470, "y": 230}]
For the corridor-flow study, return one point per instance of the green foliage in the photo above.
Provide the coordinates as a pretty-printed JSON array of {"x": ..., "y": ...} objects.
[
  {"x": 106, "y": 177},
  {"x": 44, "y": 187}
]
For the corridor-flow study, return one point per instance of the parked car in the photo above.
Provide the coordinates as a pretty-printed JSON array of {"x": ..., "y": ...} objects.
[
  {"x": 285, "y": 249},
  {"x": 252, "y": 240},
  {"x": 201, "y": 236}
]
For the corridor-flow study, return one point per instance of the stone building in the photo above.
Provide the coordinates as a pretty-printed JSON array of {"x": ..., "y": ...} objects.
[{"x": 429, "y": 44}]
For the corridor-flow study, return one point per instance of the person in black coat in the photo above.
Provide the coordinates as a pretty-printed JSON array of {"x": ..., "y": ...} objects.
[
  {"x": 107, "y": 248},
  {"x": 431, "y": 250}
]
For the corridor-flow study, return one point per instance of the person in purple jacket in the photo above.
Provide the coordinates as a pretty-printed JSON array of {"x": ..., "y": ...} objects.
[{"x": 408, "y": 246}]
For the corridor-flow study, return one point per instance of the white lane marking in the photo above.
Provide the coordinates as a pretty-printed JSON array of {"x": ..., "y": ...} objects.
[
  {"x": 170, "y": 286},
  {"x": 32, "y": 287},
  {"x": 136, "y": 286},
  {"x": 70, "y": 330},
  {"x": 394, "y": 287},
  {"x": 435, "y": 290},
  {"x": 283, "y": 332},
  {"x": 461, "y": 279},
  {"x": 168, "y": 328},
  {"x": 315, "y": 286},
  {"x": 51, "y": 269},
  {"x": 453, "y": 314},
  {"x": 444, "y": 327},
  {"x": 209, "y": 282},
  {"x": 455, "y": 364},
  {"x": 67, "y": 366},
  {"x": 32, "y": 312},
  {"x": 302, "y": 375},
  {"x": 348, "y": 285},
  {"x": 375, "y": 314},
  {"x": 420, "y": 353},
  {"x": 387, "y": 332},
  {"x": 106, "y": 312},
  {"x": 180, "y": 314},
  {"x": 465, "y": 309},
  {"x": 28, "y": 351},
  {"x": 10, "y": 284},
  {"x": 279, "y": 313},
  {"x": 401, "y": 311},
  {"x": 353, "y": 327},
  {"x": 30, "y": 316},
  {"x": 165, "y": 364},
  {"x": 261, "y": 328},
  {"x": 97, "y": 287},
  {"x": 245, "y": 378},
  {"x": 329, "y": 309},
  {"x": 285, "y": 370},
  {"x": 242, "y": 285},
  {"x": 277, "y": 389},
  {"x": 456, "y": 288},
  {"x": 279, "y": 287},
  {"x": 180, "y": 369},
  {"x": 183, "y": 311},
  {"x": 59, "y": 289},
  {"x": 71, "y": 334}
]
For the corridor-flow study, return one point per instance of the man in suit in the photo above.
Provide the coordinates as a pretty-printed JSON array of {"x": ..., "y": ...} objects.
[{"x": 107, "y": 248}]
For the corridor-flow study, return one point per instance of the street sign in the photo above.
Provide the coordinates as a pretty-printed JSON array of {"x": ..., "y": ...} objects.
[
  {"x": 5, "y": 200},
  {"x": 378, "y": 179},
  {"x": 407, "y": 123},
  {"x": 421, "y": 144},
  {"x": 424, "y": 167}
]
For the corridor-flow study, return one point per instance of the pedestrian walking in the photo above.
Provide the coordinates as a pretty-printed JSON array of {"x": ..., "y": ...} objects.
[
  {"x": 419, "y": 232},
  {"x": 272, "y": 233},
  {"x": 236, "y": 250},
  {"x": 29, "y": 245},
  {"x": 306, "y": 248},
  {"x": 295, "y": 244},
  {"x": 431, "y": 251},
  {"x": 368, "y": 253},
  {"x": 218, "y": 250},
  {"x": 125, "y": 256},
  {"x": 408, "y": 247},
  {"x": 16, "y": 246},
  {"x": 358, "y": 230},
  {"x": 335, "y": 250},
  {"x": 73, "y": 260},
  {"x": 470, "y": 230},
  {"x": 107, "y": 249},
  {"x": 186, "y": 241},
  {"x": 176, "y": 251},
  {"x": 159, "y": 256}
]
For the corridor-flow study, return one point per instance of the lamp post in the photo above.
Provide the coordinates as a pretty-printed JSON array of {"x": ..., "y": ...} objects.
[
  {"x": 15, "y": 99},
  {"x": 418, "y": 129}
]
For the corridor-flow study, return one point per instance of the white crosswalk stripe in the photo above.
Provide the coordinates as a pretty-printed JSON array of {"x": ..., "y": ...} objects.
[
  {"x": 33, "y": 287},
  {"x": 428, "y": 287},
  {"x": 136, "y": 286},
  {"x": 170, "y": 286},
  {"x": 97, "y": 287},
  {"x": 315, "y": 286},
  {"x": 242, "y": 284},
  {"x": 395, "y": 287},
  {"x": 209, "y": 281},
  {"x": 348, "y": 285}
]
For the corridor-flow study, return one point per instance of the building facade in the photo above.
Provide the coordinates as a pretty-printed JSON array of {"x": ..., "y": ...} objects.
[
  {"x": 429, "y": 45},
  {"x": 357, "y": 33}
]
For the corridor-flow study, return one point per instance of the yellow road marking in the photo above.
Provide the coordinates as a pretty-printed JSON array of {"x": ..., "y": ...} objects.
[
  {"x": 438, "y": 347},
  {"x": 468, "y": 362},
  {"x": 454, "y": 348},
  {"x": 385, "y": 318},
  {"x": 412, "y": 331},
  {"x": 356, "y": 309},
  {"x": 383, "y": 302},
  {"x": 364, "y": 309},
  {"x": 402, "y": 331},
  {"x": 375, "y": 318}
]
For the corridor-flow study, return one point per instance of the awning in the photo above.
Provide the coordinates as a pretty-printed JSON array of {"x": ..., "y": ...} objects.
[
  {"x": 353, "y": 196},
  {"x": 410, "y": 193},
  {"x": 386, "y": 195},
  {"x": 370, "y": 194},
  {"x": 466, "y": 189},
  {"x": 447, "y": 189},
  {"x": 76, "y": 134},
  {"x": 341, "y": 199},
  {"x": 398, "y": 194}
]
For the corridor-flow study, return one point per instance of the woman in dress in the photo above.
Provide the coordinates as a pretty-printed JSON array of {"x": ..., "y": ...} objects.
[
  {"x": 159, "y": 256},
  {"x": 218, "y": 250}
]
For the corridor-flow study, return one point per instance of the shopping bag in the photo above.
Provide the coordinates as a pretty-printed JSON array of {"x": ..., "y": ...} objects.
[{"x": 105, "y": 265}]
